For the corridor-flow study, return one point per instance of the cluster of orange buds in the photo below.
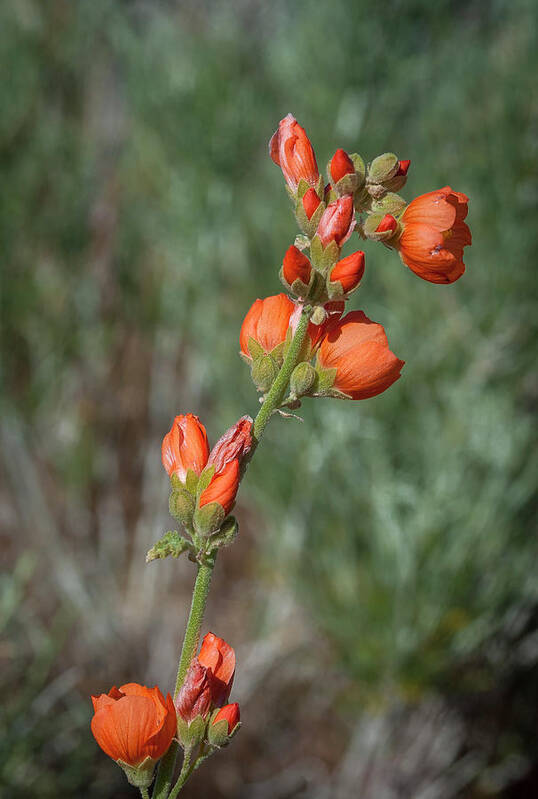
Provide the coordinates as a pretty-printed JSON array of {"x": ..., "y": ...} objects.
[
  {"x": 204, "y": 485},
  {"x": 203, "y": 712}
]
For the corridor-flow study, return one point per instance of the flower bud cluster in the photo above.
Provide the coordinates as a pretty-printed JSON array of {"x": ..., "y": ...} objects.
[
  {"x": 203, "y": 712},
  {"x": 204, "y": 485}
]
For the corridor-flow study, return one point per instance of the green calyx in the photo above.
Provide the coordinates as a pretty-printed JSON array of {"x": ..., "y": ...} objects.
[
  {"x": 391, "y": 203},
  {"x": 208, "y": 519},
  {"x": 302, "y": 380},
  {"x": 263, "y": 371},
  {"x": 218, "y": 735},
  {"x": 323, "y": 258},
  {"x": 383, "y": 168},
  {"x": 181, "y": 505},
  {"x": 140, "y": 776},
  {"x": 192, "y": 733},
  {"x": 369, "y": 229}
]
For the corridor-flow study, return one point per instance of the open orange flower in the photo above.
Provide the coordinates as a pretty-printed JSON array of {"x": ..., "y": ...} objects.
[
  {"x": 266, "y": 323},
  {"x": 133, "y": 723},
  {"x": 185, "y": 446},
  {"x": 219, "y": 658},
  {"x": 356, "y": 351},
  {"x": 434, "y": 235},
  {"x": 291, "y": 150}
]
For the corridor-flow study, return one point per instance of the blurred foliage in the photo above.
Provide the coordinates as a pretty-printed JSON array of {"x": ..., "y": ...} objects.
[{"x": 140, "y": 217}]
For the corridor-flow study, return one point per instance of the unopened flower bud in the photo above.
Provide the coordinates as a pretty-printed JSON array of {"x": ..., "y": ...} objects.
[
  {"x": 194, "y": 697},
  {"x": 348, "y": 272},
  {"x": 291, "y": 149},
  {"x": 263, "y": 371},
  {"x": 302, "y": 379},
  {"x": 235, "y": 443},
  {"x": 337, "y": 222},
  {"x": 223, "y": 725},
  {"x": 383, "y": 168},
  {"x": 340, "y": 165},
  {"x": 387, "y": 223},
  {"x": 296, "y": 266},
  {"x": 310, "y": 202}
]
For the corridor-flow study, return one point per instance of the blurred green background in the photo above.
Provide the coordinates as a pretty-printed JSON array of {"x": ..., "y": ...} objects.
[{"x": 382, "y": 597}]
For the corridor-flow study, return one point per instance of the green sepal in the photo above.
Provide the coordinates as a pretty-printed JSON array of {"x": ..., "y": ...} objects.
[
  {"x": 348, "y": 184},
  {"x": 391, "y": 203},
  {"x": 175, "y": 482},
  {"x": 140, "y": 776},
  {"x": 226, "y": 535},
  {"x": 325, "y": 381},
  {"x": 277, "y": 354},
  {"x": 263, "y": 371},
  {"x": 360, "y": 167},
  {"x": 383, "y": 168},
  {"x": 255, "y": 349},
  {"x": 172, "y": 544},
  {"x": 335, "y": 290},
  {"x": 323, "y": 258},
  {"x": 191, "y": 734},
  {"x": 204, "y": 480},
  {"x": 334, "y": 394},
  {"x": 208, "y": 519},
  {"x": 181, "y": 506},
  {"x": 191, "y": 481},
  {"x": 302, "y": 380},
  {"x": 298, "y": 288},
  {"x": 396, "y": 183}
]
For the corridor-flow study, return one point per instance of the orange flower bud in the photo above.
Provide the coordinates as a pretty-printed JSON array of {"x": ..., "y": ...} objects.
[
  {"x": 291, "y": 150},
  {"x": 195, "y": 697},
  {"x": 223, "y": 487},
  {"x": 349, "y": 271},
  {"x": 219, "y": 658},
  {"x": 434, "y": 235},
  {"x": 133, "y": 723},
  {"x": 296, "y": 266},
  {"x": 337, "y": 222},
  {"x": 341, "y": 164},
  {"x": 310, "y": 202},
  {"x": 403, "y": 168},
  {"x": 235, "y": 443},
  {"x": 358, "y": 349},
  {"x": 387, "y": 223},
  {"x": 185, "y": 447},
  {"x": 229, "y": 713},
  {"x": 266, "y": 323}
]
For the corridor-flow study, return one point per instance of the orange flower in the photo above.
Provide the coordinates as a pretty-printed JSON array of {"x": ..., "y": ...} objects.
[
  {"x": 219, "y": 658},
  {"x": 296, "y": 266},
  {"x": 291, "y": 150},
  {"x": 341, "y": 164},
  {"x": 134, "y": 723},
  {"x": 229, "y": 713},
  {"x": 348, "y": 271},
  {"x": 267, "y": 323},
  {"x": 310, "y": 202},
  {"x": 337, "y": 222},
  {"x": 359, "y": 351},
  {"x": 194, "y": 698},
  {"x": 434, "y": 235},
  {"x": 223, "y": 487},
  {"x": 185, "y": 447},
  {"x": 235, "y": 443}
]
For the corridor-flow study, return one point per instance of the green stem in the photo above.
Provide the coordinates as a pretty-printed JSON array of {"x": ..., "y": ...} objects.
[
  {"x": 144, "y": 792},
  {"x": 188, "y": 651},
  {"x": 203, "y": 579},
  {"x": 276, "y": 393}
]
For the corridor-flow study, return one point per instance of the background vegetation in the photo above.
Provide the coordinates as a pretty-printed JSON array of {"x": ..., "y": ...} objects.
[{"x": 382, "y": 596}]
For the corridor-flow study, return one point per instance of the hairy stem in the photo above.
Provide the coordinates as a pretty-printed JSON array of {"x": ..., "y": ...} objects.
[
  {"x": 278, "y": 389},
  {"x": 203, "y": 579}
]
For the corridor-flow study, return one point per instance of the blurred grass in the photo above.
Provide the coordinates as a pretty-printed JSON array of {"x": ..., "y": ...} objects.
[{"x": 388, "y": 548}]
